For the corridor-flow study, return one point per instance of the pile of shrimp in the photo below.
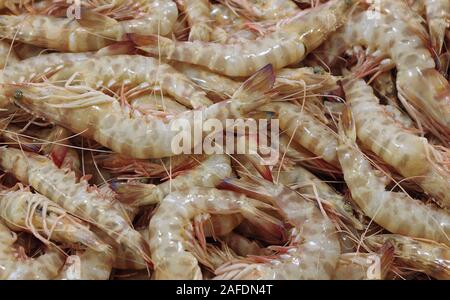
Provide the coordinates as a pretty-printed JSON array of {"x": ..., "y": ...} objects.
[{"x": 92, "y": 188}]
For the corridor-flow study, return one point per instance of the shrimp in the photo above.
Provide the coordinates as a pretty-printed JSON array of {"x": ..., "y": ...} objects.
[
  {"x": 309, "y": 185},
  {"x": 154, "y": 103},
  {"x": 314, "y": 247},
  {"x": 266, "y": 10},
  {"x": 438, "y": 17},
  {"x": 87, "y": 265},
  {"x": 423, "y": 91},
  {"x": 169, "y": 227},
  {"x": 395, "y": 211},
  {"x": 15, "y": 264},
  {"x": 209, "y": 173},
  {"x": 306, "y": 130},
  {"x": 33, "y": 68},
  {"x": 110, "y": 72},
  {"x": 23, "y": 210},
  {"x": 77, "y": 197},
  {"x": 363, "y": 266},
  {"x": 100, "y": 117},
  {"x": 407, "y": 153},
  {"x": 290, "y": 44},
  {"x": 219, "y": 225},
  {"x": 221, "y": 87},
  {"x": 425, "y": 256},
  {"x": 198, "y": 17},
  {"x": 61, "y": 34},
  {"x": 7, "y": 55}
]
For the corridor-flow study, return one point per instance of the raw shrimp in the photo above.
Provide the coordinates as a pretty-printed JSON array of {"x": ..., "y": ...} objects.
[
  {"x": 198, "y": 17},
  {"x": 425, "y": 256},
  {"x": 311, "y": 186},
  {"x": 23, "y": 210},
  {"x": 209, "y": 173},
  {"x": 61, "y": 34},
  {"x": 364, "y": 266},
  {"x": 267, "y": 10},
  {"x": 7, "y": 55},
  {"x": 77, "y": 197},
  {"x": 35, "y": 68},
  {"x": 411, "y": 155},
  {"x": 87, "y": 265},
  {"x": 154, "y": 103},
  {"x": 306, "y": 130},
  {"x": 395, "y": 211},
  {"x": 15, "y": 264},
  {"x": 438, "y": 18},
  {"x": 220, "y": 86},
  {"x": 219, "y": 225},
  {"x": 288, "y": 45},
  {"x": 424, "y": 92},
  {"x": 314, "y": 247},
  {"x": 169, "y": 232},
  {"x": 144, "y": 72},
  {"x": 101, "y": 117}
]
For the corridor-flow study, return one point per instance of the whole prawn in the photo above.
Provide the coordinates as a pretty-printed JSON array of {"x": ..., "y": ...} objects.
[
  {"x": 395, "y": 211},
  {"x": 101, "y": 117},
  {"x": 77, "y": 197},
  {"x": 314, "y": 248},
  {"x": 283, "y": 47}
]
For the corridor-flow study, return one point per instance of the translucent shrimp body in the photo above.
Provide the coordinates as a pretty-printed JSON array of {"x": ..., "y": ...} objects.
[
  {"x": 100, "y": 117},
  {"x": 408, "y": 153},
  {"x": 288, "y": 45},
  {"x": 110, "y": 72},
  {"x": 314, "y": 246},
  {"x": 77, "y": 197},
  {"x": 209, "y": 173},
  {"x": 16, "y": 265},
  {"x": 438, "y": 17},
  {"x": 426, "y": 256},
  {"x": 395, "y": 211},
  {"x": 61, "y": 34},
  {"x": 198, "y": 18},
  {"x": 417, "y": 80},
  {"x": 168, "y": 227},
  {"x": 23, "y": 210}
]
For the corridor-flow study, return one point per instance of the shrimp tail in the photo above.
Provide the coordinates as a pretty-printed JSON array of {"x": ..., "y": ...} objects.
[
  {"x": 347, "y": 127},
  {"x": 95, "y": 21},
  {"x": 131, "y": 193},
  {"x": 255, "y": 91},
  {"x": 387, "y": 258},
  {"x": 152, "y": 44}
]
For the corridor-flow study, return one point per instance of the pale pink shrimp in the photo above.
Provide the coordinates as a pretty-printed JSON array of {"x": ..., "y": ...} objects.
[
  {"x": 290, "y": 44},
  {"x": 101, "y": 117},
  {"x": 15, "y": 264},
  {"x": 411, "y": 155},
  {"x": 314, "y": 247},
  {"x": 395, "y": 211},
  {"x": 140, "y": 72},
  {"x": 77, "y": 197},
  {"x": 169, "y": 227},
  {"x": 424, "y": 92}
]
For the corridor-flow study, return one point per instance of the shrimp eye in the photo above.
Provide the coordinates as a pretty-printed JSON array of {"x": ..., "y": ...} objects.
[
  {"x": 18, "y": 94},
  {"x": 318, "y": 70}
]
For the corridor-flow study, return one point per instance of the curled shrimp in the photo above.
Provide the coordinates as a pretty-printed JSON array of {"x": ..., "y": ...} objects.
[
  {"x": 209, "y": 173},
  {"x": 411, "y": 155},
  {"x": 395, "y": 211},
  {"x": 314, "y": 247},
  {"x": 423, "y": 91},
  {"x": 15, "y": 264},
  {"x": 290, "y": 44},
  {"x": 23, "y": 210},
  {"x": 87, "y": 265},
  {"x": 169, "y": 230},
  {"x": 422, "y": 255},
  {"x": 101, "y": 117},
  {"x": 77, "y": 197},
  {"x": 112, "y": 72}
]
